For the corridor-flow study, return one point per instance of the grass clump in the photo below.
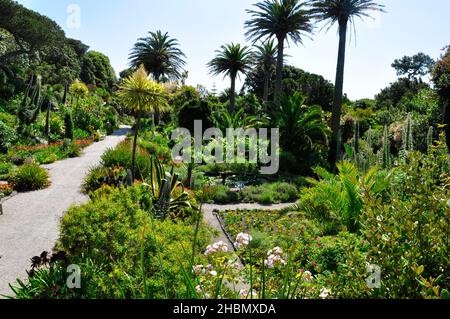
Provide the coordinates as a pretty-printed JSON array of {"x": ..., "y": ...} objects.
[{"x": 30, "y": 177}]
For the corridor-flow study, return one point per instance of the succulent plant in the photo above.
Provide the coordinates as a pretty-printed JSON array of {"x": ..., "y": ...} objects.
[{"x": 162, "y": 187}]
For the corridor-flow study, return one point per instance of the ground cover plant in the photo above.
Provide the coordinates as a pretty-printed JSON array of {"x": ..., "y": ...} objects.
[{"x": 365, "y": 183}]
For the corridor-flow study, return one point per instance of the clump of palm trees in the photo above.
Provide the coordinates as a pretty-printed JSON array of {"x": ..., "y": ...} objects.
[{"x": 280, "y": 20}]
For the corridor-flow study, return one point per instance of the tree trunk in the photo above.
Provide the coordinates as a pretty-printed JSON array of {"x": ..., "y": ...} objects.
[
  {"x": 133, "y": 161},
  {"x": 153, "y": 124},
  {"x": 279, "y": 75},
  {"x": 266, "y": 87},
  {"x": 190, "y": 172},
  {"x": 338, "y": 93},
  {"x": 233, "y": 94}
]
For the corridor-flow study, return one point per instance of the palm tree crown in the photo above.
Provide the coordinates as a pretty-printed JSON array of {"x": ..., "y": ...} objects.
[
  {"x": 266, "y": 59},
  {"x": 231, "y": 60},
  {"x": 279, "y": 18},
  {"x": 266, "y": 55},
  {"x": 160, "y": 55},
  {"x": 283, "y": 19},
  {"x": 343, "y": 11}
]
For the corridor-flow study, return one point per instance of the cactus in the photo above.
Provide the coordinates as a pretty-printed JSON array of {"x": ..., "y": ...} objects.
[
  {"x": 31, "y": 104},
  {"x": 356, "y": 139},
  {"x": 408, "y": 140},
  {"x": 386, "y": 148},
  {"x": 369, "y": 151}
]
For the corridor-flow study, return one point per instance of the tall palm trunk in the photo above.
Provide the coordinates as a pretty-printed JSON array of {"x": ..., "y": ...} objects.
[
  {"x": 266, "y": 87},
  {"x": 338, "y": 93},
  {"x": 156, "y": 116},
  {"x": 233, "y": 94},
  {"x": 279, "y": 76},
  {"x": 136, "y": 133}
]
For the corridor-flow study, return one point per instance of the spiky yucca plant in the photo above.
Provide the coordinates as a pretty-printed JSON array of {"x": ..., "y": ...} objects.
[
  {"x": 140, "y": 95},
  {"x": 163, "y": 186}
]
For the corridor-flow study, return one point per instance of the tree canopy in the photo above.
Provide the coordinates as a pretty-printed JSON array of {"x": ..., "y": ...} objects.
[
  {"x": 414, "y": 67},
  {"x": 97, "y": 70}
]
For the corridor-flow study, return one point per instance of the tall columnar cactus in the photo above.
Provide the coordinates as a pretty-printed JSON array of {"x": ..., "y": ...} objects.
[
  {"x": 369, "y": 151},
  {"x": 356, "y": 142},
  {"x": 408, "y": 139},
  {"x": 31, "y": 104},
  {"x": 386, "y": 148}
]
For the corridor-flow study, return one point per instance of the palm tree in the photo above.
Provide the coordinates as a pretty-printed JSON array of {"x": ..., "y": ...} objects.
[
  {"x": 140, "y": 95},
  {"x": 301, "y": 127},
  {"x": 265, "y": 58},
  {"x": 161, "y": 56},
  {"x": 283, "y": 19},
  {"x": 343, "y": 12},
  {"x": 231, "y": 60}
]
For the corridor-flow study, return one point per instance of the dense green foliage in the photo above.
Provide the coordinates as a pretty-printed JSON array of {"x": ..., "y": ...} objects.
[
  {"x": 380, "y": 201},
  {"x": 30, "y": 177}
]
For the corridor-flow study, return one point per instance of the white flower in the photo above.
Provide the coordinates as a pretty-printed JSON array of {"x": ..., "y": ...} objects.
[
  {"x": 213, "y": 273},
  {"x": 215, "y": 248},
  {"x": 275, "y": 258},
  {"x": 199, "y": 269},
  {"x": 198, "y": 289},
  {"x": 276, "y": 251},
  {"x": 242, "y": 240},
  {"x": 324, "y": 293},
  {"x": 178, "y": 160}
]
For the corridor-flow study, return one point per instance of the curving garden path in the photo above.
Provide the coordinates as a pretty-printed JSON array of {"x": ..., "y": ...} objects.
[{"x": 30, "y": 222}]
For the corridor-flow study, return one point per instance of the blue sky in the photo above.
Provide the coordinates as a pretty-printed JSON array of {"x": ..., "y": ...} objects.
[{"x": 201, "y": 26}]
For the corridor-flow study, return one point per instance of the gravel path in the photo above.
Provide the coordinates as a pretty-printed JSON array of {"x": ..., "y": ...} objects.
[
  {"x": 210, "y": 218},
  {"x": 30, "y": 222}
]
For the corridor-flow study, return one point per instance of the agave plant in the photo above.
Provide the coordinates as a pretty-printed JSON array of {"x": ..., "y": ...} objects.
[{"x": 163, "y": 186}]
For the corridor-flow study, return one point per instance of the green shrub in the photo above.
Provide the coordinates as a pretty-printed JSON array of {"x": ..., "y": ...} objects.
[
  {"x": 5, "y": 169},
  {"x": 408, "y": 232},
  {"x": 266, "y": 198},
  {"x": 137, "y": 256},
  {"x": 50, "y": 154},
  {"x": 284, "y": 192},
  {"x": 122, "y": 156},
  {"x": 30, "y": 177},
  {"x": 68, "y": 125},
  {"x": 7, "y": 137},
  {"x": 270, "y": 193},
  {"x": 80, "y": 134},
  {"x": 220, "y": 194},
  {"x": 100, "y": 176}
]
